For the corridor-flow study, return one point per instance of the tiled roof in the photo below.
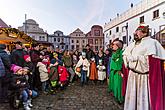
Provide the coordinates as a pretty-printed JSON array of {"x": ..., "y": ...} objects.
[{"x": 3, "y": 24}]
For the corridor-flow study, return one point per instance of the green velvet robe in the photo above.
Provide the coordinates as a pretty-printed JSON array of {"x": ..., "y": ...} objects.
[{"x": 115, "y": 79}]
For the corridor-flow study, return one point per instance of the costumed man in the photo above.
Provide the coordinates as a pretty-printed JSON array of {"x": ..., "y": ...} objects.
[
  {"x": 145, "y": 85},
  {"x": 115, "y": 80}
]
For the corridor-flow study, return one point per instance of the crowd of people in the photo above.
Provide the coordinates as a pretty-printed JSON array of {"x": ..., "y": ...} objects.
[{"x": 132, "y": 74}]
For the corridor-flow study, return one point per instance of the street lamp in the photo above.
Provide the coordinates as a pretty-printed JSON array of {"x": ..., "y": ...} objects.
[{"x": 126, "y": 27}]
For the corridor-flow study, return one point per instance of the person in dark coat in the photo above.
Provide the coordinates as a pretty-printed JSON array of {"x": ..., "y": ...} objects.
[
  {"x": 18, "y": 55},
  {"x": 4, "y": 78},
  {"x": 89, "y": 53},
  {"x": 35, "y": 58}
]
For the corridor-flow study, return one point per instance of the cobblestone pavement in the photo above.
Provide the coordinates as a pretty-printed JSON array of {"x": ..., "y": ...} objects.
[{"x": 75, "y": 97}]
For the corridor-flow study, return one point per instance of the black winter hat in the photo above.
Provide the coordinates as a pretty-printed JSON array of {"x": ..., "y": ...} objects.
[{"x": 2, "y": 46}]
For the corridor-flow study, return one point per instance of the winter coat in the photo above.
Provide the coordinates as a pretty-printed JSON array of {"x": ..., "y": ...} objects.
[
  {"x": 99, "y": 58},
  {"x": 53, "y": 76},
  {"x": 63, "y": 74},
  {"x": 67, "y": 61},
  {"x": 6, "y": 62},
  {"x": 84, "y": 63},
  {"x": 43, "y": 71},
  {"x": 18, "y": 87},
  {"x": 35, "y": 56},
  {"x": 89, "y": 54},
  {"x": 18, "y": 57}
]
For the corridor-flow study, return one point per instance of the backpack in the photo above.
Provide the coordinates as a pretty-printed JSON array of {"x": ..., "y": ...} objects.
[{"x": 2, "y": 68}]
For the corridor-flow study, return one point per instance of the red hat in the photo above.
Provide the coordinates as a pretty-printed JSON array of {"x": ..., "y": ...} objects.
[
  {"x": 144, "y": 29},
  {"x": 26, "y": 57}
]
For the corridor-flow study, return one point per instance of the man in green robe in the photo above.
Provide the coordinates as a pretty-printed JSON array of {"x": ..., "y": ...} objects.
[{"x": 115, "y": 82}]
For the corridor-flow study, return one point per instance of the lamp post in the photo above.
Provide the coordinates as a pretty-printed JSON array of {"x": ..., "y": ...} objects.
[{"x": 126, "y": 27}]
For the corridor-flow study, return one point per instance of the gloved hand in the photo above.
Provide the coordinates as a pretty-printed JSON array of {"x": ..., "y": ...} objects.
[{"x": 131, "y": 58}]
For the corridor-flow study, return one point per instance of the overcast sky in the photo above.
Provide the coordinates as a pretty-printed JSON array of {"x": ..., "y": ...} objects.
[{"x": 64, "y": 15}]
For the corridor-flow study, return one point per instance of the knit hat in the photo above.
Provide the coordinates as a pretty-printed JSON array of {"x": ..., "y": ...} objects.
[
  {"x": 2, "y": 46},
  {"x": 53, "y": 61},
  {"x": 26, "y": 57},
  {"x": 15, "y": 68}
]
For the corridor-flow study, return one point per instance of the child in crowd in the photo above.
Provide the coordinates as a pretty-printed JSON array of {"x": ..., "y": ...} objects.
[
  {"x": 101, "y": 72},
  {"x": 30, "y": 70},
  {"x": 84, "y": 64},
  {"x": 42, "y": 66},
  {"x": 53, "y": 76},
  {"x": 93, "y": 71},
  {"x": 20, "y": 84},
  {"x": 63, "y": 77}
]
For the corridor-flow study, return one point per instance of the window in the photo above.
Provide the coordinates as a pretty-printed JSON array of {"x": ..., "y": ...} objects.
[
  {"x": 43, "y": 38},
  {"x": 156, "y": 14},
  {"x": 40, "y": 38},
  {"x": 58, "y": 39},
  {"x": 72, "y": 41},
  {"x": 123, "y": 29},
  {"x": 90, "y": 41},
  {"x": 100, "y": 41},
  {"x": 83, "y": 41},
  {"x": 124, "y": 40},
  {"x": 117, "y": 29},
  {"x": 54, "y": 39},
  {"x": 96, "y": 41},
  {"x": 97, "y": 32},
  {"x": 72, "y": 47},
  {"x": 33, "y": 37},
  {"x": 110, "y": 41},
  {"x": 58, "y": 34},
  {"x": 77, "y": 46},
  {"x": 142, "y": 19},
  {"x": 110, "y": 32},
  {"x": 96, "y": 48},
  {"x": 62, "y": 46},
  {"x": 66, "y": 46},
  {"x": 77, "y": 41},
  {"x": 62, "y": 39}
]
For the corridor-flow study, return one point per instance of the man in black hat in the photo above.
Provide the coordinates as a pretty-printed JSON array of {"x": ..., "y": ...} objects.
[{"x": 4, "y": 73}]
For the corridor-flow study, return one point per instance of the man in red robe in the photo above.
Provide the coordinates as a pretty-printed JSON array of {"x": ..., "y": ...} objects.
[{"x": 145, "y": 85}]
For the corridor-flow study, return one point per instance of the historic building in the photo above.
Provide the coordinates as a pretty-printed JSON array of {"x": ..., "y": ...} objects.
[
  {"x": 95, "y": 37},
  {"x": 78, "y": 40},
  {"x": 148, "y": 12},
  {"x": 31, "y": 28},
  {"x": 60, "y": 40},
  {"x": 3, "y": 24}
]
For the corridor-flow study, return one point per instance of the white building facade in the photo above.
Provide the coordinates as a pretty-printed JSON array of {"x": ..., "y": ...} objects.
[
  {"x": 31, "y": 28},
  {"x": 148, "y": 12}
]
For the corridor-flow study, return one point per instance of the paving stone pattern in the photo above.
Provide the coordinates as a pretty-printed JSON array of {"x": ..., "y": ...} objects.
[{"x": 75, "y": 97}]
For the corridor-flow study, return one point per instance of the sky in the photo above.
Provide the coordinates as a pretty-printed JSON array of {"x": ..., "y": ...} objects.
[{"x": 64, "y": 15}]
